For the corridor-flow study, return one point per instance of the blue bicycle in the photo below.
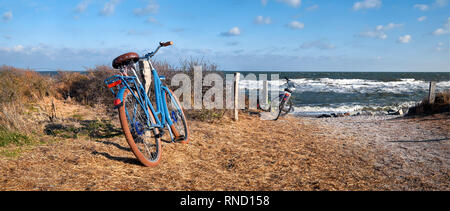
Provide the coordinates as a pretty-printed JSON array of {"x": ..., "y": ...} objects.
[{"x": 142, "y": 124}]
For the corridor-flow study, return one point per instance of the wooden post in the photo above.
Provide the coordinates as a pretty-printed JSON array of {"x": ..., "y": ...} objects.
[
  {"x": 266, "y": 94},
  {"x": 431, "y": 93},
  {"x": 236, "y": 96}
]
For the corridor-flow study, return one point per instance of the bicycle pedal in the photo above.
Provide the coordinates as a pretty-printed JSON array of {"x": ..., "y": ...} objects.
[{"x": 178, "y": 139}]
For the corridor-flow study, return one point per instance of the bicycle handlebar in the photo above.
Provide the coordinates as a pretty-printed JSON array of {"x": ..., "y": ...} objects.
[
  {"x": 165, "y": 44},
  {"x": 289, "y": 82},
  {"x": 161, "y": 44}
]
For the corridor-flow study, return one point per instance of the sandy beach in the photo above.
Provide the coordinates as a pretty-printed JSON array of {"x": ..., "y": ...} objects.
[
  {"x": 347, "y": 153},
  {"x": 406, "y": 147}
]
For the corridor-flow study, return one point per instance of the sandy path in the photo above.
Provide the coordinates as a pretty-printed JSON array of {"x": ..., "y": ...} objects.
[{"x": 412, "y": 147}]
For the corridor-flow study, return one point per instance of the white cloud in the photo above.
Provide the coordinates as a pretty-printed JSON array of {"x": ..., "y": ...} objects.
[
  {"x": 42, "y": 55},
  {"x": 441, "y": 3},
  {"x": 7, "y": 16},
  {"x": 151, "y": 20},
  {"x": 15, "y": 49},
  {"x": 313, "y": 7},
  {"x": 18, "y": 48},
  {"x": 422, "y": 7},
  {"x": 422, "y": 18},
  {"x": 444, "y": 30},
  {"x": 374, "y": 34},
  {"x": 389, "y": 26},
  {"x": 235, "y": 31},
  {"x": 233, "y": 43},
  {"x": 264, "y": 2},
  {"x": 379, "y": 31},
  {"x": 292, "y": 3},
  {"x": 262, "y": 20},
  {"x": 367, "y": 4},
  {"x": 404, "y": 39},
  {"x": 152, "y": 7},
  {"x": 435, "y": 5},
  {"x": 440, "y": 46},
  {"x": 440, "y": 31},
  {"x": 296, "y": 25},
  {"x": 82, "y": 6},
  {"x": 320, "y": 44},
  {"x": 109, "y": 7}
]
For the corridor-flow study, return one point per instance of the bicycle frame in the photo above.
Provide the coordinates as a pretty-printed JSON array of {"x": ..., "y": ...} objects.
[{"x": 161, "y": 106}]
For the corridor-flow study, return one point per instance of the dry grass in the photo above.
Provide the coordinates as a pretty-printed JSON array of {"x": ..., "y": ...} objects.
[
  {"x": 20, "y": 85},
  {"x": 87, "y": 89},
  {"x": 20, "y": 91},
  {"x": 441, "y": 104},
  {"x": 252, "y": 154}
]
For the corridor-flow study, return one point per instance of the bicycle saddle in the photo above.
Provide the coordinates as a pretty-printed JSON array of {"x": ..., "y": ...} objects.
[{"x": 125, "y": 59}]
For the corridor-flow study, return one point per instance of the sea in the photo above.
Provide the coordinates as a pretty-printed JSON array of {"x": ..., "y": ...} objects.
[{"x": 319, "y": 93}]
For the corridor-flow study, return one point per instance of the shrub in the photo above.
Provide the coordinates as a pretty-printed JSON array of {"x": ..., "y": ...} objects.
[
  {"x": 441, "y": 104},
  {"x": 21, "y": 86},
  {"x": 87, "y": 89}
]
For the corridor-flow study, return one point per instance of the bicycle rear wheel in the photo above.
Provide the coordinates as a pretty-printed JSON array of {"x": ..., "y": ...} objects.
[
  {"x": 143, "y": 141},
  {"x": 176, "y": 114}
]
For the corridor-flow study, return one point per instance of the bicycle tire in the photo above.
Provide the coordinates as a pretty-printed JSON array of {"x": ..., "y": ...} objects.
[
  {"x": 136, "y": 141},
  {"x": 176, "y": 115},
  {"x": 283, "y": 110},
  {"x": 279, "y": 110},
  {"x": 287, "y": 107}
]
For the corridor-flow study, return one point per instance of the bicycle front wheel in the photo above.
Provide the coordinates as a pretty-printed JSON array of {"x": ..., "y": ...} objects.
[
  {"x": 284, "y": 108},
  {"x": 179, "y": 127},
  {"x": 144, "y": 141}
]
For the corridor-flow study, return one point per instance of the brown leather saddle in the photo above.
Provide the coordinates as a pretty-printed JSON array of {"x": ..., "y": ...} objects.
[{"x": 125, "y": 59}]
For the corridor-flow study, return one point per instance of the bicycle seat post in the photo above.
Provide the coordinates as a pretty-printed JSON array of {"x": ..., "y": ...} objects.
[{"x": 135, "y": 74}]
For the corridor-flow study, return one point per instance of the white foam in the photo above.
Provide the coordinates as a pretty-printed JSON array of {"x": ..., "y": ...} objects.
[
  {"x": 344, "y": 108},
  {"x": 407, "y": 85}
]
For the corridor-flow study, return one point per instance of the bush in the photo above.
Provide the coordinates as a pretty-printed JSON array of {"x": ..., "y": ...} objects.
[
  {"x": 19, "y": 89},
  {"x": 441, "y": 104},
  {"x": 21, "y": 86},
  {"x": 87, "y": 89}
]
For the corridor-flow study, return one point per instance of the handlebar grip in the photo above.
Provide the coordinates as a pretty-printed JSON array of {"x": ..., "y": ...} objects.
[{"x": 165, "y": 44}]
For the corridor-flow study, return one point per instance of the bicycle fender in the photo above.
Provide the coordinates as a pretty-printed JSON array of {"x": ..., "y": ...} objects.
[{"x": 118, "y": 102}]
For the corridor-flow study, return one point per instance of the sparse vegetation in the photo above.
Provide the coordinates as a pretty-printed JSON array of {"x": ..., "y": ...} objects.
[
  {"x": 20, "y": 89},
  {"x": 87, "y": 89},
  {"x": 23, "y": 92},
  {"x": 7, "y": 137},
  {"x": 441, "y": 104},
  {"x": 22, "y": 86}
]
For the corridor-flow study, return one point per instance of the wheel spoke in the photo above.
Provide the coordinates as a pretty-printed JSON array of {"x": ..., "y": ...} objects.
[{"x": 147, "y": 144}]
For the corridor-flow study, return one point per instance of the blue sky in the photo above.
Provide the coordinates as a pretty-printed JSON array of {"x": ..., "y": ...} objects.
[{"x": 277, "y": 35}]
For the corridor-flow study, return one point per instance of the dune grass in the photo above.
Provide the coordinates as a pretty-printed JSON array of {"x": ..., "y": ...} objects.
[{"x": 441, "y": 105}]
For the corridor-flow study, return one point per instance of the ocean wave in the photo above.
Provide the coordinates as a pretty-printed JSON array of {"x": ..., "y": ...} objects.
[
  {"x": 404, "y": 85},
  {"x": 344, "y": 108}
]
